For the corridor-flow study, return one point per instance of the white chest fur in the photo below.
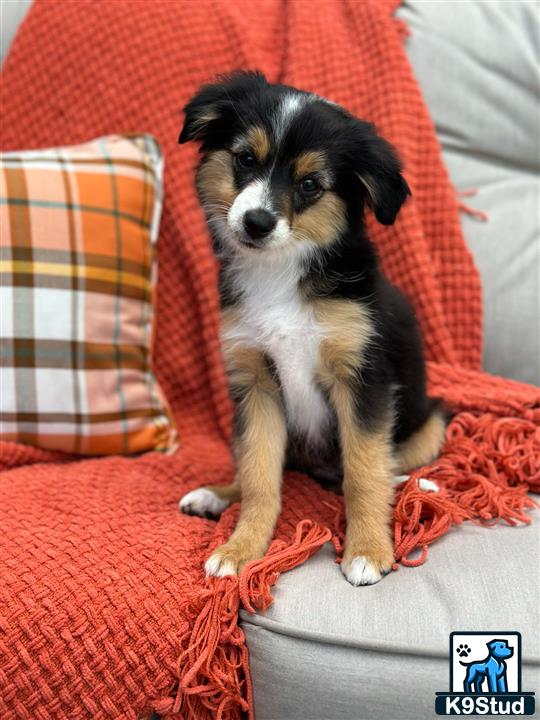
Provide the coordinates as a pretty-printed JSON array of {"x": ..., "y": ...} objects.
[{"x": 275, "y": 319}]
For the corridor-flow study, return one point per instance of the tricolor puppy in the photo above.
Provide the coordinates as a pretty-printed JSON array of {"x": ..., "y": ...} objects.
[{"x": 323, "y": 355}]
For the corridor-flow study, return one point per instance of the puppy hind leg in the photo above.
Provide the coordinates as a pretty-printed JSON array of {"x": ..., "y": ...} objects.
[
  {"x": 420, "y": 449},
  {"x": 423, "y": 446},
  {"x": 211, "y": 500}
]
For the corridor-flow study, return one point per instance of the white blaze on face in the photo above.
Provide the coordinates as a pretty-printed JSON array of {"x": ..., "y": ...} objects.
[
  {"x": 256, "y": 196},
  {"x": 253, "y": 197},
  {"x": 288, "y": 108}
]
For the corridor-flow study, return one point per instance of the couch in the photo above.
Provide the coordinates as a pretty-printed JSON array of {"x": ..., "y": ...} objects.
[{"x": 325, "y": 650}]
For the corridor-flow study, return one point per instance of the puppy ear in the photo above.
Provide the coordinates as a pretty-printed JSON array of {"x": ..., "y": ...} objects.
[
  {"x": 200, "y": 112},
  {"x": 378, "y": 168},
  {"x": 218, "y": 102}
]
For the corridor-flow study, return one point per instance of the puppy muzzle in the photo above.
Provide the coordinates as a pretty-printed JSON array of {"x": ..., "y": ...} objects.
[{"x": 258, "y": 224}]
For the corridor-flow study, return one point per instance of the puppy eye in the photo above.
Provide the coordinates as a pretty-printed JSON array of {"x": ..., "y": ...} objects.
[
  {"x": 309, "y": 187},
  {"x": 246, "y": 160}
]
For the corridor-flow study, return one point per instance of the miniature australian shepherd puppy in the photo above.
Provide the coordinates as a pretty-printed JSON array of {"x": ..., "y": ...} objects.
[{"x": 323, "y": 354}]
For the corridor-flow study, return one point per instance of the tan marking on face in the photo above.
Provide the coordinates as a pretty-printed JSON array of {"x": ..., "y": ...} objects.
[
  {"x": 286, "y": 206},
  {"x": 348, "y": 329},
  {"x": 322, "y": 222},
  {"x": 309, "y": 162},
  {"x": 259, "y": 142},
  {"x": 215, "y": 182},
  {"x": 423, "y": 446}
]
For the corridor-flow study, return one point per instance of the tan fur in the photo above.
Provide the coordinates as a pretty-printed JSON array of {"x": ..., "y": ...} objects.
[
  {"x": 367, "y": 483},
  {"x": 260, "y": 456},
  {"x": 204, "y": 119},
  {"x": 309, "y": 162},
  {"x": 230, "y": 316},
  {"x": 259, "y": 142},
  {"x": 422, "y": 447},
  {"x": 245, "y": 366},
  {"x": 348, "y": 330},
  {"x": 286, "y": 203},
  {"x": 369, "y": 185},
  {"x": 215, "y": 182},
  {"x": 259, "y": 452},
  {"x": 229, "y": 492},
  {"x": 366, "y": 455},
  {"x": 322, "y": 222}
]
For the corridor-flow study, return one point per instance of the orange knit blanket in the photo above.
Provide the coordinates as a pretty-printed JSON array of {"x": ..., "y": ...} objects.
[{"x": 105, "y": 609}]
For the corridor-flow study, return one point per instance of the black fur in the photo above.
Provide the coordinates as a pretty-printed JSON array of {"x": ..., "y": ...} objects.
[{"x": 366, "y": 174}]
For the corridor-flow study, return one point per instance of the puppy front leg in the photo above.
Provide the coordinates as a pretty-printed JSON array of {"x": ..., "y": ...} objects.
[
  {"x": 368, "y": 490},
  {"x": 260, "y": 443}
]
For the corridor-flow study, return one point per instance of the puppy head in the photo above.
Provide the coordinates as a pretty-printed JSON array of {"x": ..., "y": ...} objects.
[{"x": 285, "y": 169}]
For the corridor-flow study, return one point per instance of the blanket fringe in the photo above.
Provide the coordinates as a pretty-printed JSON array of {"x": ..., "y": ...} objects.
[
  {"x": 487, "y": 466},
  {"x": 259, "y": 576},
  {"x": 213, "y": 669},
  {"x": 464, "y": 207}
]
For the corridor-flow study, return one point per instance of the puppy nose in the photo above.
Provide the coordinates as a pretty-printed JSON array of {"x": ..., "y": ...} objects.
[{"x": 258, "y": 223}]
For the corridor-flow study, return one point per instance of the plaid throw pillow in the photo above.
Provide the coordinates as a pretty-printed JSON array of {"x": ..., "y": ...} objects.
[{"x": 77, "y": 269}]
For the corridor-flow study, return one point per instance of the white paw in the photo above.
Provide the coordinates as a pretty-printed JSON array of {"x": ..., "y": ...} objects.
[
  {"x": 362, "y": 571},
  {"x": 203, "y": 502},
  {"x": 219, "y": 566},
  {"x": 427, "y": 485},
  {"x": 423, "y": 483}
]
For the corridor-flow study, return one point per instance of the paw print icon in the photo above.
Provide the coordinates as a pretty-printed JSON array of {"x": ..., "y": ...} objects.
[{"x": 463, "y": 650}]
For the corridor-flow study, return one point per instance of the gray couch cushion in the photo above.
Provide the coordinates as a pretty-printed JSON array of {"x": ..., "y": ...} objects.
[
  {"x": 477, "y": 64},
  {"x": 12, "y": 13},
  {"x": 328, "y": 651}
]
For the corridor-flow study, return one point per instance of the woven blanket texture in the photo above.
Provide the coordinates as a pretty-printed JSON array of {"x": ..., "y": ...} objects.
[{"x": 105, "y": 611}]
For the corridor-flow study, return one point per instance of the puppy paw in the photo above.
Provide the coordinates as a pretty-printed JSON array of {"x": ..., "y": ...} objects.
[
  {"x": 229, "y": 559},
  {"x": 423, "y": 483},
  {"x": 203, "y": 502},
  {"x": 363, "y": 570},
  {"x": 427, "y": 485}
]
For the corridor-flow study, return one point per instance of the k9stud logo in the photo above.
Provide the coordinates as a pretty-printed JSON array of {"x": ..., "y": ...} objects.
[{"x": 485, "y": 676}]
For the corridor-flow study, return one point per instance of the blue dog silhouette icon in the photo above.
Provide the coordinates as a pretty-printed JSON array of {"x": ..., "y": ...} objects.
[{"x": 493, "y": 668}]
